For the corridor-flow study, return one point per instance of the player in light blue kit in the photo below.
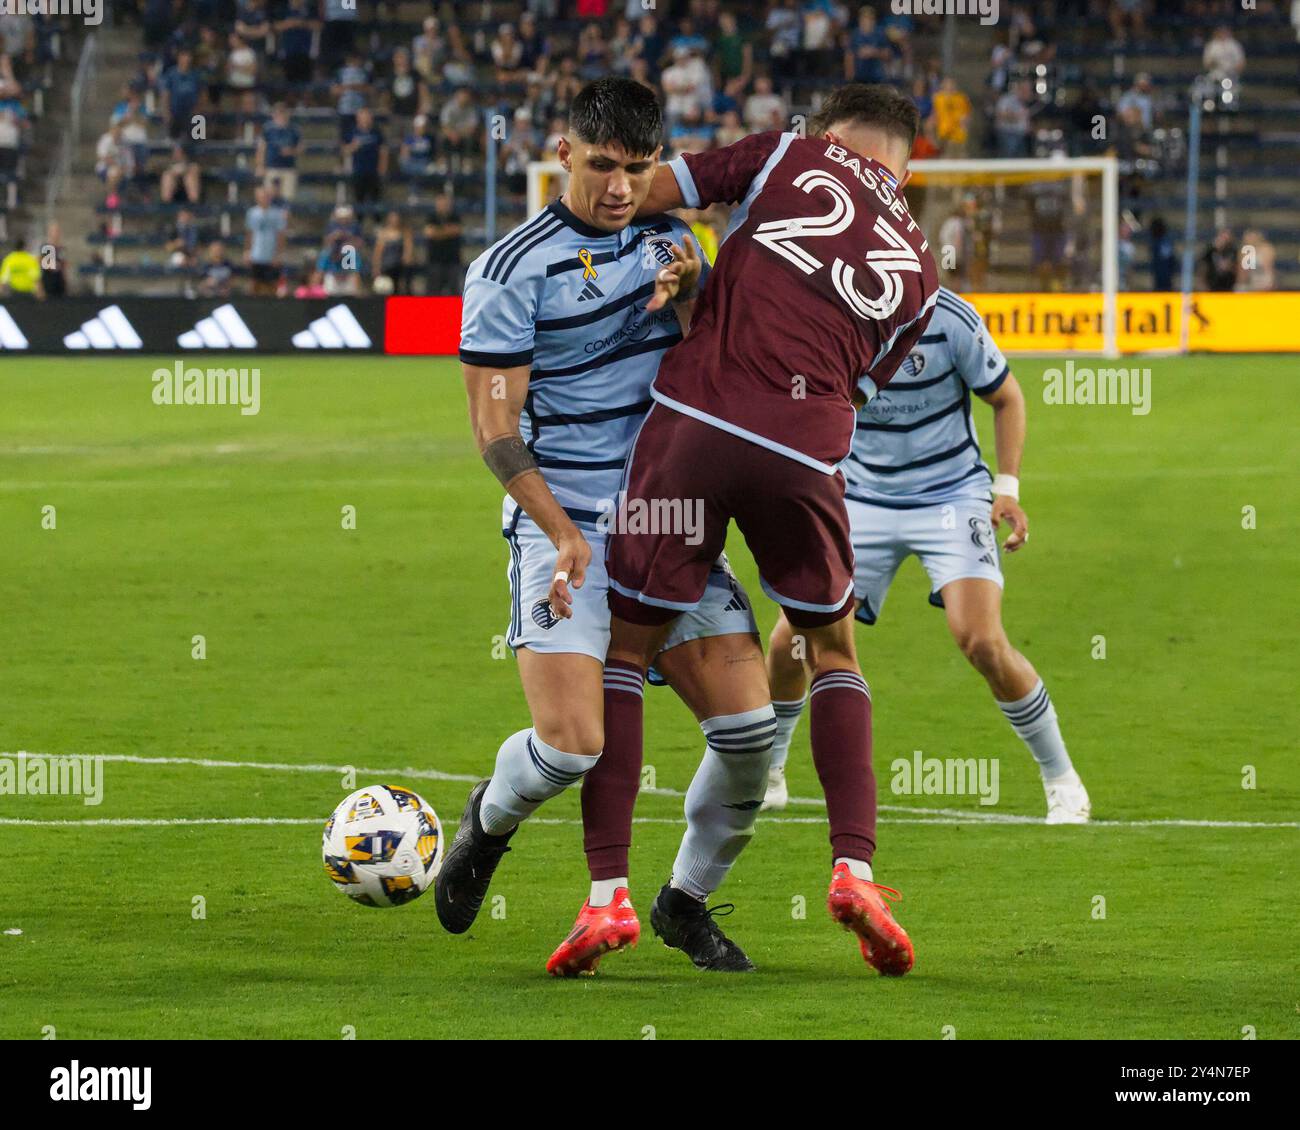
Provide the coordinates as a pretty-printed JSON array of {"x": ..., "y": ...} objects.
[
  {"x": 565, "y": 322},
  {"x": 916, "y": 485}
]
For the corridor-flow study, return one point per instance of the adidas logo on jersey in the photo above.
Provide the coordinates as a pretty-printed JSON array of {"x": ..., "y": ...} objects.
[
  {"x": 590, "y": 291},
  {"x": 109, "y": 329}
]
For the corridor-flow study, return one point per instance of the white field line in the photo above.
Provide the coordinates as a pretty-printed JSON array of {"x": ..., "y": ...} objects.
[{"x": 915, "y": 815}]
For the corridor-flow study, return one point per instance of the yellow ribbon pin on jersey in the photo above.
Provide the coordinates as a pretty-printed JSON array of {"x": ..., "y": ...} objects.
[{"x": 588, "y": 271}]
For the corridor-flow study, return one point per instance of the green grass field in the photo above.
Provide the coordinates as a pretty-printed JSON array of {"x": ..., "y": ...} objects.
[{"x": 373, "y": 647}]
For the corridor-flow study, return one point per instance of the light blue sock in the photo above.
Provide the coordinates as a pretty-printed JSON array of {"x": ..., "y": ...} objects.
[
  {"x": 528, "y": 772},
  {"x": 1034, "y": 720}
]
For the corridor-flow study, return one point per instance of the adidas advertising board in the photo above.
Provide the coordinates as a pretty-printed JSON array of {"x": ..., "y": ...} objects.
[{"x": 177, "y": 325}]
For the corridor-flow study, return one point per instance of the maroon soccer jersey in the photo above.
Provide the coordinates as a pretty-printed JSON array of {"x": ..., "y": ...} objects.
[{"x": 823, "y": 277}]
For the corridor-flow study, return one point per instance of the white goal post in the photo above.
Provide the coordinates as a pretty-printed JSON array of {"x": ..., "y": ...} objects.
[{"x": 546, "y": 181}]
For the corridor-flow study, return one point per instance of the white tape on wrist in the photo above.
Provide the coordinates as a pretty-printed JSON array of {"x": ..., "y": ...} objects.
[{"x": 1008, "y": 485}]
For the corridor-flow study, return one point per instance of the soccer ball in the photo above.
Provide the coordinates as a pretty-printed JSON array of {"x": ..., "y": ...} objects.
[{"x": 383, "y": 846}]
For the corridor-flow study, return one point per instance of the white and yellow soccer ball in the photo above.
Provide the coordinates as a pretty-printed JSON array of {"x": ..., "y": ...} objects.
[{"x": 383, "y": 846}]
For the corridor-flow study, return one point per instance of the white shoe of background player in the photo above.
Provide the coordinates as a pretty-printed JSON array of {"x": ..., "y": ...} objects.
[
  {"x": 1067, "y": 800},
  {"x": 777, "y": 795}
]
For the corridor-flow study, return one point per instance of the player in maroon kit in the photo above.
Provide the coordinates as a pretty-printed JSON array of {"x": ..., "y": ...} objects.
[{"x": 822, "y": 277}]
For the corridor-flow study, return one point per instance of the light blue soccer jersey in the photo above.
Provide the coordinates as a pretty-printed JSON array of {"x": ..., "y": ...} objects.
[
  {"x": 569, "y": 300},
  {"x": 915, "y": 442}
]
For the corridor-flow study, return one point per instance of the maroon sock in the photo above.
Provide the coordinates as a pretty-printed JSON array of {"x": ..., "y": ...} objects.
[
  {"x": 840, "y": 729},
  {"x": 609, "y": 790}
]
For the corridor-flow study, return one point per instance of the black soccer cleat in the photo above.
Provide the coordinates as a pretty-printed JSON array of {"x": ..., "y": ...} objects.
[
  {"x": 684, "y": 923},
  {"x": 467, "y": 869}
]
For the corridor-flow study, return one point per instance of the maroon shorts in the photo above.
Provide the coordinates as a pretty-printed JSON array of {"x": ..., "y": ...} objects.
[{"x": 684, "y": 482}]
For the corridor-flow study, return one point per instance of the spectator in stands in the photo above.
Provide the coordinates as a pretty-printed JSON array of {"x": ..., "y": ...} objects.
[
  {"x": 1128, "y": 16},
  {"x": 951, "y": 118},
  {"x": 351, "y": 89},
  {"x": 956, "y": 251},
  {"x": 442, "y": 241},
  {"x": 253, "y": 26},
  {"x": 1161, "y": 247},
  {"x": 242, "y": 73},
  {"x": 1139, "y": 95},
  {"x": 20, "y": 273},
  {"x": 278, "y": 145},
  {"x": 1011, "y": 121},
  {"x": 182, "y": 173},
  {"x": 783, "y": 30},
  {"x": 822, "y": 24},
  {"x": 393, "y": 255},
  {"x": 687, "y": 83},
  {"x": 459, "y": 70},
  {"x": 535, "y": 46},
  {"x": 415, "y": 157},
  {"x": 294, "y": 30},
  {"x": 181, "y": 86},
  {"x": 648, "y": 42},
  {"x": 183, "y": 240},
  {"x": 869, "y": 50},
  {"x": 406, "y": 93},
  {"x": 730, "y": 128},
  {"x": 313, "y": 285},
  {"x": 921, "y": 98},
  {"x": 114, "y": 160},
  {"x": 340, "y": 264},
  {"x": 210, "y": 62},
  {"x": 369, "y": 156},
  {"x": 508, "y": 53},
  {"x": 338, "y": 36},
  {"x": 217, "y": 273},
  {"x": 1224, "y": 57},
  {"x": 1257, "y": 265},
  {"x": 54, "y": 263},
  {"x": 1131, "y": 140},
  {"x": 733, "y": 56},
  {"x": 265, "y": 225},
  {"x": 593, "y": 53},
  {"x": 765, "y": 110},
  {"x": 429, "y": 50},
  {"x": 1219, "y": 262},
  {"x": 11, "y": 139},
  {"x": 458, "y": 127},
  {"x": 691, "y": 133}
]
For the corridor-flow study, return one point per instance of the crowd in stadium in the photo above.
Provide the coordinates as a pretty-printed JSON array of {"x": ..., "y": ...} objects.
[{"x": 404, "y": 107}]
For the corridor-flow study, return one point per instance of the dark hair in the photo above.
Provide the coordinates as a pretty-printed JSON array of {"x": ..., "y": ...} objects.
[
  {"x": 870, "y": 104},
  {"x": 619, "y": 110}
]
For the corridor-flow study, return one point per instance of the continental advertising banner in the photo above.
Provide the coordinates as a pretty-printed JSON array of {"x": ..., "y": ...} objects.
[{"x": 1217, "y": 323}]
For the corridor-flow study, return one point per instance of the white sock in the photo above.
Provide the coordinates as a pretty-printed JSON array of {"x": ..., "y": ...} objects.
[
  {"x": 722, "y": 801},
  {"x": 602, "y": 890},
  {"x": 787, "y": 718},
  {"x": 858, "y": 868},
  {"x": 528, "y": 772},
  {"x": 1034, "y": 720}
]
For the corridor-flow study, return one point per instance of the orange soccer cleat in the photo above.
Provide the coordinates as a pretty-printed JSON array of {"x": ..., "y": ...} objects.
[
  {"x": 598, "y": 931},
  {"x": 858, "y": 905}
]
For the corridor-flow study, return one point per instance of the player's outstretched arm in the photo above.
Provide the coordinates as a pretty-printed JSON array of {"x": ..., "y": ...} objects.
[
  {"x": 496, "y": 399},
  {"x": 665, "y": 193},
  {"x": 1008, "y": 403}
]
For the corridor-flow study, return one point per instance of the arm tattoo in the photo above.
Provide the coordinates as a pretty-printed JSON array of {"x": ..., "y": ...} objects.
[{"x": 508, "y": 457}]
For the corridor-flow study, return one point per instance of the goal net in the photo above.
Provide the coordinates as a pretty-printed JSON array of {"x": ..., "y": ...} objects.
[{"x": 1033, "y": 243}]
